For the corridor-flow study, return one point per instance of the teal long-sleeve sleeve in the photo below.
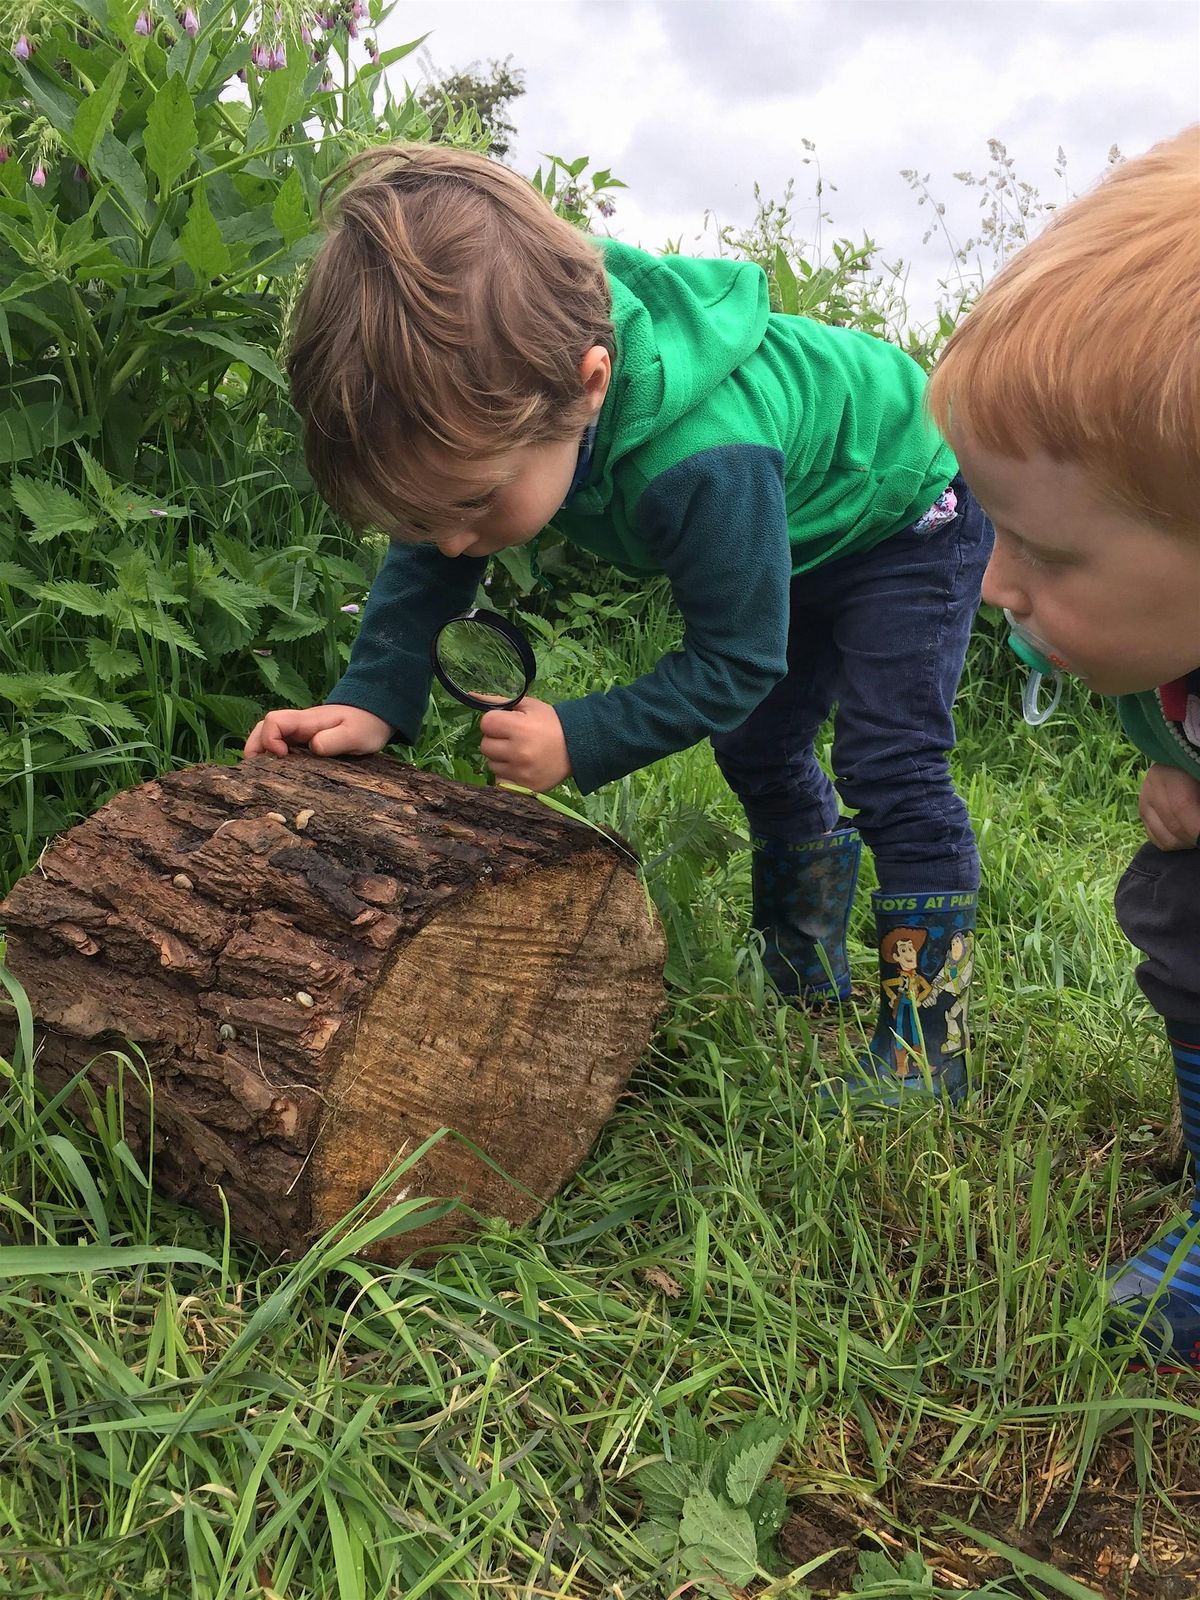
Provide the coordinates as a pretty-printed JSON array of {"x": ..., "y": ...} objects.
[
  {"x": 717, "y": 525},
  {"x": 417, "y": 589}
]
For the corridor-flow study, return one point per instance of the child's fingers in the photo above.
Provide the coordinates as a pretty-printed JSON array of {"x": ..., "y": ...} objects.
[
  {"x": 494, "y": 750},
  {"x": 499, "y": 724},
  {"x": 1168, "y": 830},
  {"x": 265, "y": 739}
]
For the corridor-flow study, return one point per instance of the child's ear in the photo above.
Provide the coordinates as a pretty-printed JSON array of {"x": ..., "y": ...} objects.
[{"x": 596, "y": 370}]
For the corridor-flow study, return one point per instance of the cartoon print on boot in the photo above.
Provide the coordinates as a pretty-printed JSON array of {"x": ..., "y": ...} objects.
[
  {"x": 955, "y": 980},
  {"x": 900, "y": 947}
]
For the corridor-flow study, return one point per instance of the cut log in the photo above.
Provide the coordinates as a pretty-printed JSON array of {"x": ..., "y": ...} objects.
[{"x": 323, "y": 963}]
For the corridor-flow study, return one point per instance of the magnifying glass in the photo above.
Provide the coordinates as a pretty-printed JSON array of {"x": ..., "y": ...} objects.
[{"x": 483, "y": 660}]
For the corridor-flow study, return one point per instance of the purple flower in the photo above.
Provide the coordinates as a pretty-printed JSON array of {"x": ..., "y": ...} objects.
[
  {"x": 190, "y": 23},
  {"x": 352, "y": 27},
  {"x": 22, "y": 49},
  {"x": 241, "y": 73},
  {"x": 39, "y": 177},
  {"x": 263, "y": 652},
  {"x": 155, "y": 512},
  {"x": 326, "y": 85},
  {"x": 352, "y": 610},
  {"x": 605, "y": 206},
  {"x": 306, "y": 33},
  {"x": 277, "y": 58},
  {"x": 258, "y": 54},
  {"x": 80, "y": 173},
  {"x": 372, "y": 51},
  {"x": 144, "y": 25},
  {"x": 5, "y": 152}
]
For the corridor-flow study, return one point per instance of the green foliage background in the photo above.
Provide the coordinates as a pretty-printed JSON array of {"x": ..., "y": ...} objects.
[{"x": 735, "y": 1308}]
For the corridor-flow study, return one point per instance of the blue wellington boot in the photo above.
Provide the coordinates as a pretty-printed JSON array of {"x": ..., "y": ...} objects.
[
  {"x": 1159, "y": 1306},
  {"x": 926, "y": 963},
  {"x": 802, "y": 894}
]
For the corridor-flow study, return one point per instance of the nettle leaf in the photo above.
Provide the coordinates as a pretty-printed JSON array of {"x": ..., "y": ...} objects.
[
  {"x": 28, "y": 689},
  {"x": 200, "y": 239},
  {"x": 283, "y": 680},
  {"x": 299, "y": 625},
  {"x": 159, "y": 625},
  {"x": 171, "y": 132},
  {"x": 141, "y": 580},
  {"x": 664, "y": 1486},
  {"x": 75, "y": 596},
  {"x": 876, "y": 1568},
  {"x": 51, "y": 508},
  {"x": 220, "y": 634},
  {"x": 72, "y": 730},
  {"x": 687, "y": 1436},
  {"x": 110, "y": 663},
  {"x": 233, "y": 712},
  {"x": 18, "y": 577},
  {"x": 96, "y": 475},
  {"x": 719, "y": 1537},
  {"x": 767, "y": 1509},
  {"x": 240, "y": 600},
  {"x": 749, "y": 1455},
  {"x": 94, "y": 117},
  {"x": 112, "y": 714}
]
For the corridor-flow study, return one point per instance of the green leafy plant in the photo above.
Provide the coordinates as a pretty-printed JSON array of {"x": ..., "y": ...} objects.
[
  {"x": 713, "y": 1503},
  {"x": 158, "y": 191},
  {"x": 576, "y": 194},
  {"x": 878, "y": 1574}
]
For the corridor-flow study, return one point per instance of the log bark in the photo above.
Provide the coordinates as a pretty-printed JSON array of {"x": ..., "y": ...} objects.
[{"x": 324, "y": 962}]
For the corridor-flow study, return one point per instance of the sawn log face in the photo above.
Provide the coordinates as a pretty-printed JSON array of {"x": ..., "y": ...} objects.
[{"x": 324, "y": 962}]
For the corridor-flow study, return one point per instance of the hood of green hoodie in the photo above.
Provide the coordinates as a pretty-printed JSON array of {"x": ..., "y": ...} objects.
[{"x": 682, "y": 326}]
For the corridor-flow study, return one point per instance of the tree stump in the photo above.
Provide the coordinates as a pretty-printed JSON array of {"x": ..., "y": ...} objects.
[{"x": 323, "y": 963}]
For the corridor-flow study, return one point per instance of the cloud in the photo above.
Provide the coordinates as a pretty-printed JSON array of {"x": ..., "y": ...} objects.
[{"x": 693, "y": 101}]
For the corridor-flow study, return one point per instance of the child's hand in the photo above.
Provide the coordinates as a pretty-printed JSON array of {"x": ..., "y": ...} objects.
[
  {"x": 326, "y": 730},
  {"x": 526, "y": 745},
  {"x": 1170, "y": 808}
]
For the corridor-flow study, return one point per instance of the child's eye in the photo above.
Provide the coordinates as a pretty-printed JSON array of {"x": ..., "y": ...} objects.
[
  {"x": 481, "y": 502},
  {"x": 1026, "y": 556}
]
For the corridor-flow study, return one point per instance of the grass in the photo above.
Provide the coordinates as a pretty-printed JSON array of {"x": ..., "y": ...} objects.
[{"x": 916, "y": 1299}]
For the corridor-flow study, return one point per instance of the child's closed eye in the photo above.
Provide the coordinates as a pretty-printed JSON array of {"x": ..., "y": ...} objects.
[{"x": 1029, "y": 557}]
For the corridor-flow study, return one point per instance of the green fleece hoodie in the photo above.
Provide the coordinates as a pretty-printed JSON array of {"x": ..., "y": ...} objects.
[
  {"x": 735, "y": 448},
  {"x": 1157, "y": 735}
]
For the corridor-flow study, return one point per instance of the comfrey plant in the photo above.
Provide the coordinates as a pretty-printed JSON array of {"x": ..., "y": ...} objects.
[{"x": 154, "y": 211}]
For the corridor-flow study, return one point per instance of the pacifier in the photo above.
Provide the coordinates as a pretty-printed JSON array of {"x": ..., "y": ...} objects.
[{"x": 1042, "y": 662}]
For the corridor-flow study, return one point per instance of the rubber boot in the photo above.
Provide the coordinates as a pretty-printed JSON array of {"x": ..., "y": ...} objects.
[
  {"x": 802, "y": 894},
  {"x": 926, "y": 964},
  {"x": 1157, "y": 1304}
]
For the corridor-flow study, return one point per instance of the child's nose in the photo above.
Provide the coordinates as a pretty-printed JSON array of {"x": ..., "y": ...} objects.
[
  {"x": 1002, "y": 586},
  {"x": 455, "y": 543}
]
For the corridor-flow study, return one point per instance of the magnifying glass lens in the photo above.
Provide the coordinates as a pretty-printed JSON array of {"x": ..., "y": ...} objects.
[{"x": 483, "y": 660}]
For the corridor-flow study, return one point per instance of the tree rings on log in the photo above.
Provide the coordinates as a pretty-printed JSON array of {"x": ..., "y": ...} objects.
[{"x": 325, "y": 962}]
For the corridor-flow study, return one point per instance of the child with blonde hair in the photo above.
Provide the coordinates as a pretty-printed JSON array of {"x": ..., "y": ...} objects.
[
  {"x": 1071, "y": 395},
  {"x": 468, "y": 367}
]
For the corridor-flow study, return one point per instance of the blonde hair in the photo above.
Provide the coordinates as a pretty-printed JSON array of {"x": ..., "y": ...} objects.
[
  {"x": 442, "y": 325},
  {"x": 1087, "y": 346}
]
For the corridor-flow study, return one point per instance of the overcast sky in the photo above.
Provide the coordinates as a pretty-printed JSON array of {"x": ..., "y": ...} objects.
[{"x": 692, "y": 102}]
